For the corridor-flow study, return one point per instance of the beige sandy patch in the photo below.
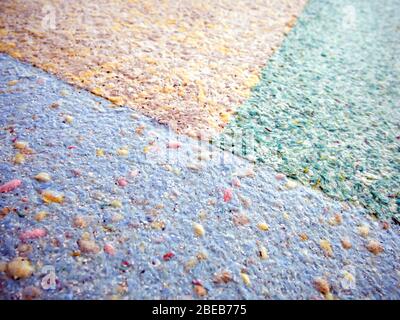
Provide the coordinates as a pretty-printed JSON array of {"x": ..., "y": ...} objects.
[{"x": 185, "y": 63}]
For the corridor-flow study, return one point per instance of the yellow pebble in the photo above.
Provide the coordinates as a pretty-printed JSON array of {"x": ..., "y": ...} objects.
[
  {"x": 263, "y": 226},
  {"x": 117, "y": 100},
  {"x": 19, "y": 268},
  {"x": 329, "y": 296},
  {"x": 326, "y": 246},
  {"x": 198, "y": 229},
  {"x": 116, "y": 204},
  {"x": 146, "y": 149},
  {"x": 286, "y": 216},
  {"x": 12, "y": 83},
  {"x": 123, "y": 152},
  {"x": 40, "y": 215},
  {"x": 245, "y": 278},
  {"x": 100, "y": 152},
  {"x": 97, "y": 91},
  {"x": 43, "y": 177},
  {"x": 157, "y": 225},
  {"x": 225, "y": 117},
  {"x": 19, "y": 158},
  {"x": 50, "y": 196},
  {"x": 68, "y": 118},
  {"x": 19, "y": 144}
]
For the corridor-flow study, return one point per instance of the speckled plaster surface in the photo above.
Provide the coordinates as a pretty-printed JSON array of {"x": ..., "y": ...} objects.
[
  {"x": 185, "y": 63},
  {"x": 156, "y": 253},
  {"x": 326, "y": 111}
]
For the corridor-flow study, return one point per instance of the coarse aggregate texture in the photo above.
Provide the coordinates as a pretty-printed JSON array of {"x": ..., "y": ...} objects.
[
  {"x": 185, "y": 63},
  {"x": 326, "y": 111},
  {"x": 125, "y": 228}
]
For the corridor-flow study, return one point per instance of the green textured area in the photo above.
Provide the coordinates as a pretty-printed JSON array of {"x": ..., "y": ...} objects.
[{"x": 326, "y": 111}]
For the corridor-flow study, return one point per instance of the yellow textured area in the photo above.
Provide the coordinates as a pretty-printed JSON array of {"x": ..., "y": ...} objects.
[{"x": 185, "y": 63}]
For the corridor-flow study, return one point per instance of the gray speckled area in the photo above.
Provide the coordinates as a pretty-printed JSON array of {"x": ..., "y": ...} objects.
[{"x": 167, "y": 189}]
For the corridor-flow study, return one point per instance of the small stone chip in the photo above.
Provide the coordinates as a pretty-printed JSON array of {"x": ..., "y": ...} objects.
[
  {"x": 19, "y": 158},
  {"x": 12, "y": 82},
  {"x": 68, "y": 118},
  {"x": 363, "y": 231},
  {"x": 8, "y": 187},
  {"x": 19, "y": 268},
  {"x": 223, "y": 277},
  {"x": 198, "y": 229},
  {"x": 123, "y": 152},
  {"x": 194, "y": 166},
  {"x": 88, "y": 246},
  {"x": 117, "y": 100},
  {"x": 322, "y": 285},
  {"x": 116, "y": 204},
  {"x": 246, "y": 279},
  {"x": 20, "y": 145},
  {"x": 346, "y": 244},
  {"x": 109, "y": 249},
  {"x": 262, "y": 253},
  {"x": 79, "y": 222},
  {"x": 374, "y": 247},
  {"x": 200, "y": 290},
  {"x": 336, "y": 220},
  {"x": 40, "y": 215},
  {"x": 326, "y": 246},
  {"x": 43, "y": 177},
  {"x": 99, "y": 152},
  {"x": 157, "y": 225},
  {"x": 290, "y": 185},
  {"x": 190, "y": 264},
  {"x": 50, "y": 196},
  {"x": 303, "y": 236},
  {"x": 263, "y": 226}
]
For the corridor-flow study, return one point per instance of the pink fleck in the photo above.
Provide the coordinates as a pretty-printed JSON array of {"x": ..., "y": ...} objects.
[
  {"x": 10, "y": 186},
  {"x": 108, "y": 248},
  {"x": 33, "y": 234},
  {"x": 236, "y": 182},
  {"x": 174, "y": 144},
  {"x": 280, "y": 176},
  {"x": 122, "y": 182},
  {"x": 25, "y": 199},
  {"x": 197, "y": 282},
  {"x": 71, "y": 147},
  {"x": 228, "y": 195}
]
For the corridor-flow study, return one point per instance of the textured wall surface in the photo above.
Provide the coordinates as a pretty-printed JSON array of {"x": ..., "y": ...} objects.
[
  {"x": 125, "y": 227},
  {"x": 326, "y": 111},
  {"x": 185, "y": 63}
]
